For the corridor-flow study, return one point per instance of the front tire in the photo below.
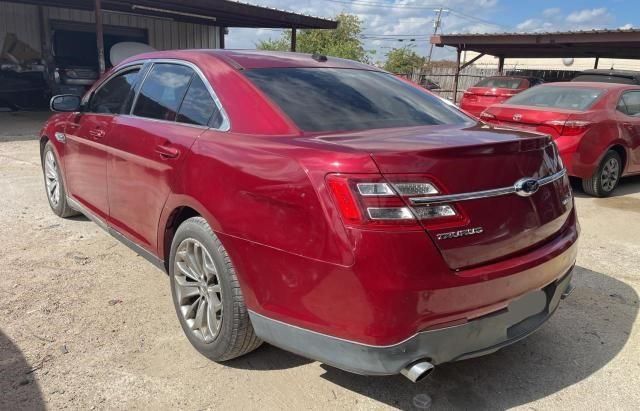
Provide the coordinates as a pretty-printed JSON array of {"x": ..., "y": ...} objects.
[
  {"x": 206, "y": 294},
  {"x": 606, "y": 177},
  {"x": 54, "y": 184}
]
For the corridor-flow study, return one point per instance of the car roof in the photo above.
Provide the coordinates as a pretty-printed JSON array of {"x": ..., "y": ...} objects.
[
  {"x": 252, "y": 59},
  {"x": 591, "y": 84},
  {"x": 615, "y": 73}
]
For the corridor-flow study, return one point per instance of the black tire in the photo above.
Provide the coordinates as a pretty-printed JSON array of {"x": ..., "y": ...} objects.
[
  {"x": 597, "y": 185},
  {"x": 236, "y": 336},
  {"x": 61, "y": 208}
]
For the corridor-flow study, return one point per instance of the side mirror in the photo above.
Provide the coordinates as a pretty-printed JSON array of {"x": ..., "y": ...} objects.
[{"x": 65, "y": 102}]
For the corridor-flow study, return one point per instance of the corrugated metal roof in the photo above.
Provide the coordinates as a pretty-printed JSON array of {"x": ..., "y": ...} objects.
[
  {"x": 543, "y": 33},
  {"x": 611, "y": 43}
]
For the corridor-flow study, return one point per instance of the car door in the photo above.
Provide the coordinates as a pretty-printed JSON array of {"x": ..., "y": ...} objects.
[
  {"x": 173, "y": 106},
  {"x": 87, "y": 137},
  {"x": 629, "y": 117}
]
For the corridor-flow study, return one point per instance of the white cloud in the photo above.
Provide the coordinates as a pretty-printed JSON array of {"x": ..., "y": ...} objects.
[
  {"x": 554, "y": 20},
  {"x": 551, "y": 12},
  {"x": 594, "y": 17},
  {"x": 627, "y": 26},
  {"x": 414, "y": 17}
]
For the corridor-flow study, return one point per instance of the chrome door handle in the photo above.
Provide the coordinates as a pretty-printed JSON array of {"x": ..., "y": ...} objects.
[{"x": 167, "y": 151}]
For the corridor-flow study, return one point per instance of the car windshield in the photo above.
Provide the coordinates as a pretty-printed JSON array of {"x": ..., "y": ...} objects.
[
  {"x": 330, "y": 99},
  {"x": 572, "y": 98},
  {"x": 501, "y": 82}
]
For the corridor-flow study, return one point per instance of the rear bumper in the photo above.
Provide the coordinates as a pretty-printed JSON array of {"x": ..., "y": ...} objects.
[{"x": 477, "y": 337}]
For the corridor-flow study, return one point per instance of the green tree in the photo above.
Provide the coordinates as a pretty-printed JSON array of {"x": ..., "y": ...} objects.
[
  {"x": 344, "y": 42},
  {"x": 403, "y": 60}
]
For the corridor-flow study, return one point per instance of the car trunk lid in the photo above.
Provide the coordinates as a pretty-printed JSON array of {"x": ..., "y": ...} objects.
[{"x": 470, "y": 160}]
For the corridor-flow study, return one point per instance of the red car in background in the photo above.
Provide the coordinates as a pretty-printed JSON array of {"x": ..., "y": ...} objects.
[
  {"x": 318, "y": 204},
  {"x": 494, "y": 90},
  {"x": 595, "y": 125}
]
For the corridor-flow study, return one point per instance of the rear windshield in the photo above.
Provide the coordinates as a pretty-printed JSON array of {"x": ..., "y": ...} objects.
[
  {"x": 571, "y": 98},
  {"x": 502, "y": 82},
  {"x": 330, "y": 99},
  {"x": 604, "y": 79}
]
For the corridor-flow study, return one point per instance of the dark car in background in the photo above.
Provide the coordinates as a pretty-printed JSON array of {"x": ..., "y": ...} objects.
[
  {"x": 609, "y": 76},
  {"x": 494, "y": 90}
]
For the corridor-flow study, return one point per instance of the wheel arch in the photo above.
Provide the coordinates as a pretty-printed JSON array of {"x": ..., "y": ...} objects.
[
  {"x": 176, "y": 214},
  {"x": 622, "y": 152}
]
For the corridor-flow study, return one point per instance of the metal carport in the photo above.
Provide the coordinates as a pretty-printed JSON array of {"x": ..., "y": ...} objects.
[
  {"x": 622, "y": 44},
  {"x": 221, "y": 13}
]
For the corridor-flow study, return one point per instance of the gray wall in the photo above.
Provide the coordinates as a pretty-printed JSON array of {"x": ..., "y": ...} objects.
[{"x": 22, "y": 19}]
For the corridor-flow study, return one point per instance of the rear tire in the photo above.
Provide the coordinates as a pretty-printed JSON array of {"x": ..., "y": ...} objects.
[
  {"x": 606, "y": 177},
  {"x": 54, "y": 184},
  {"x": 206, "y": 294}
]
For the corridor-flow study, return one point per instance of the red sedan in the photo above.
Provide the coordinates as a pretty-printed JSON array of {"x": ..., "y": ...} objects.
[
  {"x": 494, "y": 90},
  {"x": 318, "y": 204},
  {"x": 595, "y": 125}
]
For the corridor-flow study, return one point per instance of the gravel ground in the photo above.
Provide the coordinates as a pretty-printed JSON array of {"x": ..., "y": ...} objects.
[{"x": 86, "y": 323}]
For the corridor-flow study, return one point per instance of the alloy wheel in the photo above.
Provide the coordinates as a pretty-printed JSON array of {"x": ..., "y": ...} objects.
[
  {"x": 51, "y": 178},
  {"x": 610, "y": 174},
  {"x": 198, "y": 289}
]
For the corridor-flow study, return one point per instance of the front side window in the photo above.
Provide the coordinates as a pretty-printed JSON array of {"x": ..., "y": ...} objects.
[
  {"x": 331, "y": 99},
  {"x": 162, "y": 91},
  {"x": 111, "y": 97},
  {"x": 571, "y": 98},
  {"x": 198, "y": 106},
  {"x": 630, "y": 103}
]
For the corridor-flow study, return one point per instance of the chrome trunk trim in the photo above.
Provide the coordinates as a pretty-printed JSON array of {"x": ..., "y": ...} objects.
[{"x": 483, "y": 194}]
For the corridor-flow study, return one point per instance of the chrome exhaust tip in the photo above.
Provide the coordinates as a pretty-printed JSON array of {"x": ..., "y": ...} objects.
[{"x": 417, "y": 370}]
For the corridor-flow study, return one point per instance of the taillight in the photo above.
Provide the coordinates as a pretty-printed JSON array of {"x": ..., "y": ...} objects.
[
  {"x": 569, "y": 127},
  {"x": 369, "y": 201}
]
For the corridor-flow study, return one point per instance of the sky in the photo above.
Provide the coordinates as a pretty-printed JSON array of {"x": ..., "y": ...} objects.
[{"x": 387, "y": 21}]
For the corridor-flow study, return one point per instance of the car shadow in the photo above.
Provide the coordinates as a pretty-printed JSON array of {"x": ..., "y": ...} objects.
[
  {"x": 18, "y": 387},
  {"x": 589, "y": 329},
  {"x": 267, "y": 358}
]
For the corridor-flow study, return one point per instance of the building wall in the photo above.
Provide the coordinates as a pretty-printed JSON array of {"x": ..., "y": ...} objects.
[
  {"x": 22, "y": 19},
  {"x": 554, "y": 63}
]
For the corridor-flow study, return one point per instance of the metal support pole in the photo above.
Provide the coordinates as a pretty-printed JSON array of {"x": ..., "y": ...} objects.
[
  {"x": 100, "y": 36},
  {"x": 501, "y": 65},
  {"x": 595, "y": 65},
  {"x": 293, "y": 39},
  {"x": 457, "y": 76},
  {"x": 45, "y": 46},
  {"x": 221, "y": 31}
]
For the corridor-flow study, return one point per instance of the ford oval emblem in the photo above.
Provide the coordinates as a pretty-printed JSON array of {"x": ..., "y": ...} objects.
[
  {"x": 526, "y": 187},
  {"x": 517, "y": 117}
]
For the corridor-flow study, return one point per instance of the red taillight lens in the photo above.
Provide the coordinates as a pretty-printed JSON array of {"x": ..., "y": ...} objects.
[
  {"x": 344, "y": 199},
  {"x": 569, "y": 127},
  {"x": 365, "y": 200}
]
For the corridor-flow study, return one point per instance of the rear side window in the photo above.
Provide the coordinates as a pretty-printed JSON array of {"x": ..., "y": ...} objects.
[
  {"x": 111, "y": 97},
  {"x": 630, "y": 103},
  {"x": 571, "y": 98},
  {"x": 502, "y": 82},
  {"x": 330, "y": 99},
  {"x": 162, "y": 91},
  {"x": 198, "y": 106},
  {"x": 604, "y": 79}
]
